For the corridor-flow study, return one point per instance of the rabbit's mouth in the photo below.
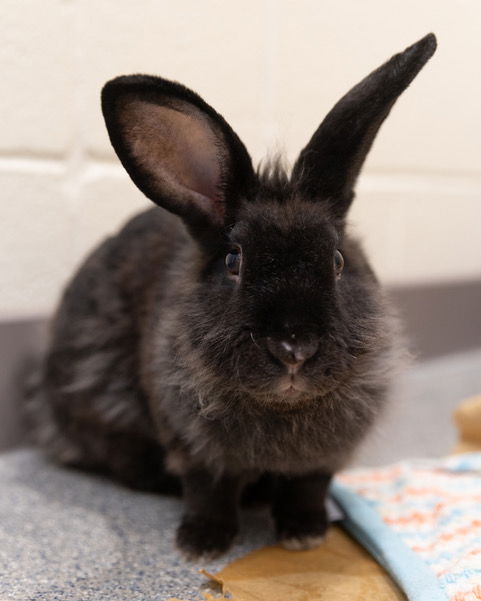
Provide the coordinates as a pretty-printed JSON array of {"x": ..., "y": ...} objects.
[
  {"x": 296, "y": 388},
  {"x": 286, "y": 383},
  {"x": 293, "y": 390},
  {"x": 292, "y": 387}
]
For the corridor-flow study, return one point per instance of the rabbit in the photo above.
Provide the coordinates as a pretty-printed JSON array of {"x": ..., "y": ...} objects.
[{"x": 234, "y": 334}]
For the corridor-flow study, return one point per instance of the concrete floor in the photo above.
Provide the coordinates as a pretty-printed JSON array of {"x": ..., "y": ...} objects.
[{"x": 418, "y": 422}]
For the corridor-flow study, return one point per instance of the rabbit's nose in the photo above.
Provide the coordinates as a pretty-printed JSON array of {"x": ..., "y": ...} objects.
[{"x": 291, "y": 351}]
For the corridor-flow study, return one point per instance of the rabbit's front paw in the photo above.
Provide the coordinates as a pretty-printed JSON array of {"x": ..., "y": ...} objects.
[
  {"x": 302, "y": 531},
  {"x": 205, "y": 538}
]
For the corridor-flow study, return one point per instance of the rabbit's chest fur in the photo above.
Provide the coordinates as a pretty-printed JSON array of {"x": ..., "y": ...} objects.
[{"x": 313, "y": 438}]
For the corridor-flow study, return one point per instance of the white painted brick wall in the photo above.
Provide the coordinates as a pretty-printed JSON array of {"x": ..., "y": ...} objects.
[{"x": 273, "y": 68}]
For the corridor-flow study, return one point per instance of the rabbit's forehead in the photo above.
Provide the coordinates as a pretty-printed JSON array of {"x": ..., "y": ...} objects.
[{"x": 298, "y": 227}]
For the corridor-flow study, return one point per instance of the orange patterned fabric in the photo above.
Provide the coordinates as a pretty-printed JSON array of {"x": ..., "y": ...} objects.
[{"x": 435, "y": 507}]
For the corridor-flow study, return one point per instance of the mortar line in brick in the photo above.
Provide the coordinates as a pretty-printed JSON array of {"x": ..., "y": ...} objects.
[
  {"x": 101, "y": 157},
  {"x": 79, "y": 166},
  {"x": 32, "y": 164},
  {"x": 426, "y": 172},
  {"x": 420, "y": 182},
  {"x": 96, "y": 170}
]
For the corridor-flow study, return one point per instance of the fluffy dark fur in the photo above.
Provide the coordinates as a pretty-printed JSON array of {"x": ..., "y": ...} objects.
[{"x": 169, "y": 366}]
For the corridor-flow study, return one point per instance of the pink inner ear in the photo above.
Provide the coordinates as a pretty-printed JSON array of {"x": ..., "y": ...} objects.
[{"x": 179, "y": 150}]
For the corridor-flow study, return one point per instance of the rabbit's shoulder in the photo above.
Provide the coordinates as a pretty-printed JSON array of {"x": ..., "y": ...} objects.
[{"x": 126, "y": 265}]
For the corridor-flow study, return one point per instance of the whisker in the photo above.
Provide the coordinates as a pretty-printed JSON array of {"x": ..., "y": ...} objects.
[{"x": 254, "y": 340}]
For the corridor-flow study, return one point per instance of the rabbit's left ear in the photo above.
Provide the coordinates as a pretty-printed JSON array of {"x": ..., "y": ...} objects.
[
  {"x": 328, "y": 166},
  {"x": 178, "y": 150}
]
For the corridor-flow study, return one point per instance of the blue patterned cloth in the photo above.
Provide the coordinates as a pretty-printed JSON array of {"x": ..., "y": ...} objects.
[{"x": 422, "y": 521}]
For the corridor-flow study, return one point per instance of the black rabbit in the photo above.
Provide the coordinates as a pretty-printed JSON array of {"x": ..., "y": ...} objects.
[{"x": 249, "y": 337}]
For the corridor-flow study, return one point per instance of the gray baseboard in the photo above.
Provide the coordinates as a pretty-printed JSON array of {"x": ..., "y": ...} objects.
[
  {"x": 441, "y": 319},
  {"x": 20, "y": 342}
]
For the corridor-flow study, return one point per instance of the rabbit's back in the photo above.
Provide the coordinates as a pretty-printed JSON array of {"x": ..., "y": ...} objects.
[{"x": 86, "y": 405}]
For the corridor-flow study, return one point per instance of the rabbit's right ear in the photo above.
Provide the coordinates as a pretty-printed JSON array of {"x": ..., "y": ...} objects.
[{"x": 177, "y": 150}]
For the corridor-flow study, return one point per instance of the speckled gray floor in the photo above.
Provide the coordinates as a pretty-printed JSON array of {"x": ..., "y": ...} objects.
[{"x": 68, "y": 536}]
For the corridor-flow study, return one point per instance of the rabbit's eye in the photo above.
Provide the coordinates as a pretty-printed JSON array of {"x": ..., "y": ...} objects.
[
  {"x": 233, "y": 261},
  {"x": 338, "y": 263}
]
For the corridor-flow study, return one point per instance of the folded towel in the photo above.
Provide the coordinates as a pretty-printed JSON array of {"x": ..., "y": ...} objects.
[{"x": 431, "y": 523}]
